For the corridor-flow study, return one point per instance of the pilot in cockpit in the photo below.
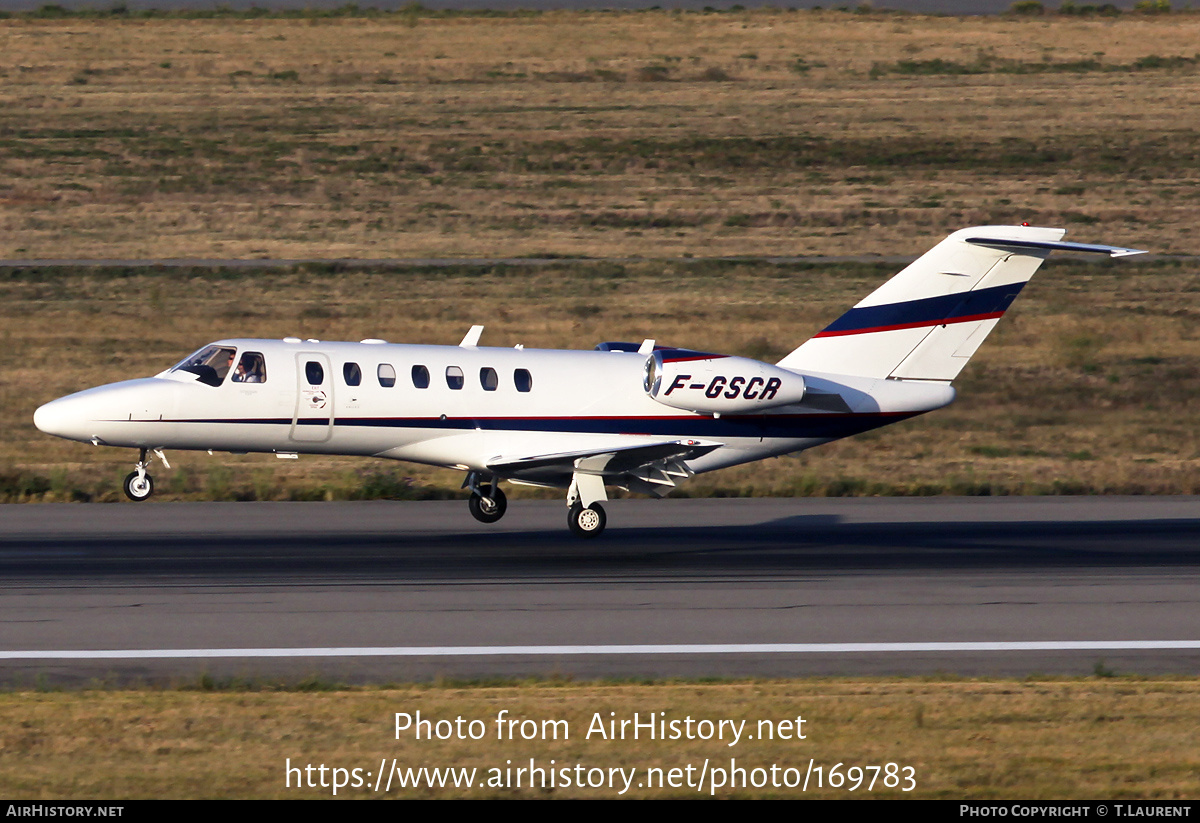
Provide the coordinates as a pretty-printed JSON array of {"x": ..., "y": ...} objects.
[{"x": 250, "y": 369}]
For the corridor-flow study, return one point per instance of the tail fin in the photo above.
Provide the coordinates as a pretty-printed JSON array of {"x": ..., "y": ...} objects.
[{"x": 927, "y": 321}]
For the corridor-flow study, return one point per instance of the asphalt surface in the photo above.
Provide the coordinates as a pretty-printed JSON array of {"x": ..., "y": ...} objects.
[{"x": 387, "y": 592}]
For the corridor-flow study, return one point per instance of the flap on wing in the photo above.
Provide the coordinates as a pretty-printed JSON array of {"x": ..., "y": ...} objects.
[{"x": 604, "y": 462}]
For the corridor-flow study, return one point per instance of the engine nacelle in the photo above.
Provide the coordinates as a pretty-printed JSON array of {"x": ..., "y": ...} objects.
[{"x": 717, "y": 383}]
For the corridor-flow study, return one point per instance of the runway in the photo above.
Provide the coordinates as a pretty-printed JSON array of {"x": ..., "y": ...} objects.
[{"x": 389, "y": 592}]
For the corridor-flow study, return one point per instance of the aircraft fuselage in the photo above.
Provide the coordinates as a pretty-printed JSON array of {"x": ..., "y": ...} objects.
[
  {"x": 453, "y": 406},
  {"x": 637, "y": 417}
]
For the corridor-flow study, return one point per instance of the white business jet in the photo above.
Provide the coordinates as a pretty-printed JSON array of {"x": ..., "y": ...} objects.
[{"x": 637, "y": 417}]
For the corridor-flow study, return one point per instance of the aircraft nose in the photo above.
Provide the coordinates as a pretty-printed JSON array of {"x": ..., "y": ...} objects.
[{"x": 63, "y": 418}]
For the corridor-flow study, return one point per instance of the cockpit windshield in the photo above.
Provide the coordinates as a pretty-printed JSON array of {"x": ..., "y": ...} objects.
[{"x": 210, "y": 364}]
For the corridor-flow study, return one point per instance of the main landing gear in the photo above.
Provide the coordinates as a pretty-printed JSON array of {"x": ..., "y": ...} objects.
[
  {"x": 585, "y": 515},
  {"x": 139, "y": 485},
  {"x": 487, "y": 503},
  {"x": 587, "y": 522}
]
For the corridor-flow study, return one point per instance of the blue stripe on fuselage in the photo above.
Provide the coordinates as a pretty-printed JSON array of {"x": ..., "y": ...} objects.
[{"x": 763, "y": 425}]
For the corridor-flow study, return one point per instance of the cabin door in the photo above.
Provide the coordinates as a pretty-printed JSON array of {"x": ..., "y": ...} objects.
[{"x": 312, "y": 421}]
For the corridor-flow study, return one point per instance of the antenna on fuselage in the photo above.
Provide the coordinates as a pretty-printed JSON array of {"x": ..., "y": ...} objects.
[{"x": 471, "y": 340}]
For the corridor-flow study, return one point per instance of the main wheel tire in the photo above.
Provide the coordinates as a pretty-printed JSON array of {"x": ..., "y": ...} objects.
[
  {"x": 137, "y": 488},
  {"x": 587, "y": 522},
  {"x": 485, "y": 513}
]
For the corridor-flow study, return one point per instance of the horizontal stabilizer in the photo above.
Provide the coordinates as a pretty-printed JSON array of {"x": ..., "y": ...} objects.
[{"x": 1004, "y": 244}]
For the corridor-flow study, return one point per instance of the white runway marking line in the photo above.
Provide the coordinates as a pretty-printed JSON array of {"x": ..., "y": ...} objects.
[{"x": 685, "y": 648}]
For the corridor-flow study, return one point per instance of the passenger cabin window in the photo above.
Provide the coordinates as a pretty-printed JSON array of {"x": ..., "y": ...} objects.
[
  {"x": 523, "y": 380},
  {"x": 454, "y": 377},
  {"x": 250, "y": 369},
  {"x": 488, "y": 379},
  {"x": 352, "y": 374},
  {"x": 314, "y": 373},
  {"x": 210, "y": 364},
  {"x": 387, "y": 375},
  {"x": 420, "y": 377}
]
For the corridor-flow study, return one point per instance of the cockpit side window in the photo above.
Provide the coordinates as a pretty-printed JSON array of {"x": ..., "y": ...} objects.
[
  {"x": 210, "y": 364},
  {"x": 250, "y": 369}
]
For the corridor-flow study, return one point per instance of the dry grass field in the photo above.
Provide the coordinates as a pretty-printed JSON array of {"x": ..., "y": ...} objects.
[
  {"x": 1089, "y": 385},
  {"x": 1038, "y": 739},
  {"x": 656, "y": 135},
  {"x": 603, "y": 134}
]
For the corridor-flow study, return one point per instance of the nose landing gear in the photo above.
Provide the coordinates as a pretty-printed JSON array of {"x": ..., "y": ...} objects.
[{"x": 139, "y": 485}]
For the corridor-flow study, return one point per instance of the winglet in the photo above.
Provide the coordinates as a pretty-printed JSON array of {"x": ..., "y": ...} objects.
[
  {"x": 471, "y": 339},
  {"x": 647, "y": 346}
]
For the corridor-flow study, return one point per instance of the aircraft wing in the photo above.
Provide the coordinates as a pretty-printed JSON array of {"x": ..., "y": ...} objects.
[{"x": 651, "y": 468}]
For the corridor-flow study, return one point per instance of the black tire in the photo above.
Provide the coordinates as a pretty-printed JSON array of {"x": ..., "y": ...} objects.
[
  {"x": 485, "y": 514},
  {"x": 587, "y": 522},
  {"x": 136, "y": 490}
]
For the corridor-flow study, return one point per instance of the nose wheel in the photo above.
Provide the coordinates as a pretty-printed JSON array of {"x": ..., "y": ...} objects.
[{"x": 139, "y": 485}]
